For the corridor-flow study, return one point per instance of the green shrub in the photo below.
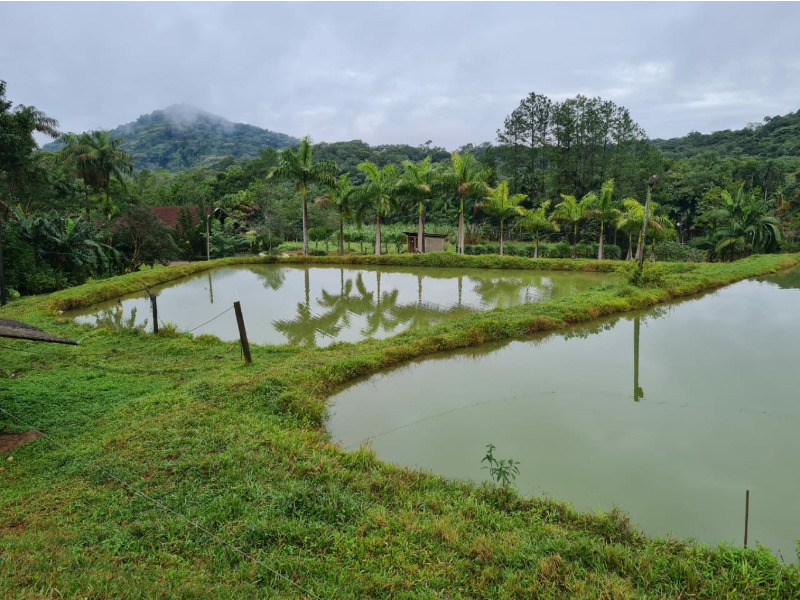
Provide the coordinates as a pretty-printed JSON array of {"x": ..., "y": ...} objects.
[
  {"x": 790, "y": 247},
  {"x": 671, "y": 251},
  {"x": 651, "y": 275},
  {"x": 612, "y": 252},
  {"x": 559, "y": 250},
  {"x": 317, "y": 252}
]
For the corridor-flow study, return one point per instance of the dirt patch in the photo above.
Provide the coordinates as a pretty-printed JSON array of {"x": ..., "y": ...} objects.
[{"x": 8, "y": 441}]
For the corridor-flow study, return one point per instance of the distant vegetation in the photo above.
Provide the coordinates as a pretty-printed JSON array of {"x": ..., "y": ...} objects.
[
  {"x": 181, "y": 137},
  {"x": 774, "y": 137},
  {"x": 572, "y": 173}
]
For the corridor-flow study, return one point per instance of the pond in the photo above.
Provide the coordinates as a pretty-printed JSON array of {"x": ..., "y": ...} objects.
[
  {"x": 670, "y": 414},
  {"x": 316, "y": 306}
]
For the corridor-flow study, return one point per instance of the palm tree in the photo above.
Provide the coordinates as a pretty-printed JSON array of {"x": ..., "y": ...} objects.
[
  {"x": 605, "y": 210},
  {"x": 379, "y": 191},
  {"x": 659, "y": 227},
  {"x": 537, "y": 221},
  {"x": 37, "y": 120},
  {"x": 97, "y": 158},
  {"x": 498, "y": 205},
  {"x": 341, "y": 198},
  {"x": 630, "y": 221},
  {"x": 417, "y": 183},
  {"x": 746, "y": 226},
  {"x": 299, "y": 168},
  {"x": 465, "y": 178},
  {"x": 569, "y": 210}
]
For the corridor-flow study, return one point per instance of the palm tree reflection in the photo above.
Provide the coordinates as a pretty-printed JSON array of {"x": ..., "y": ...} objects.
[
  {"x": 638, "y": 392},
  {"x": 376, "y": 313},
  {"x": 115, "y": 318}
]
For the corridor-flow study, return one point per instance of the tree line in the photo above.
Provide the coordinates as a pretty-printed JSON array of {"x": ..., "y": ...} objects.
[{"x": 572, "y": 171}]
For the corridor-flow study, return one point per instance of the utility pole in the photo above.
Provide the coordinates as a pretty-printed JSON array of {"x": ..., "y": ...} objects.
[
  {"x": 2, "y": 272},
  {"x": 643, "y": 238}
]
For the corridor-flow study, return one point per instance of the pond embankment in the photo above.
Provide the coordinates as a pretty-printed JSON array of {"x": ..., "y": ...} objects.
[{"x": 171, "y": 468}]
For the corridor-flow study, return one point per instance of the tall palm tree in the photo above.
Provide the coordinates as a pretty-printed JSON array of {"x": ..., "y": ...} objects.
[
  {"x": 605, "y": 209},
  {"x": 500, "y": 206},
  {"x": 466, "y": 177},
  {"x": 417, "y": 183},
  {"x": 570, "y": 210},
  {"x": 341, "y": 197},
  {"x": 97, "y": 158},
  {"x": 537, "y": 222},
  {"x": 299, "y": 168},
  {"x": 379, "y": 192}
]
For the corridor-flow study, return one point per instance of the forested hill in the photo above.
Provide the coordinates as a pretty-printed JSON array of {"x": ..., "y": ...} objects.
[
  {"x": 181, "y": 137},
  {"x": 772, "y": 138}
]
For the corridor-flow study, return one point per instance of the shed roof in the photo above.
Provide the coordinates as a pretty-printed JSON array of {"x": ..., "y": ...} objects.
[
  {"x": 16, "y": 329},
  {"x": 427, "y": 235},
  {"x": 169, "y": 214}
]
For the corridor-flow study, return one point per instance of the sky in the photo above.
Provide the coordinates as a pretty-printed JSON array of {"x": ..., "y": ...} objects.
[{"x": 401, "y": 72}]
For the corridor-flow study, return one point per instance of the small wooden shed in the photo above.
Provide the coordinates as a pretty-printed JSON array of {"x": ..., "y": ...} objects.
[{"x": 434, "y": 242}]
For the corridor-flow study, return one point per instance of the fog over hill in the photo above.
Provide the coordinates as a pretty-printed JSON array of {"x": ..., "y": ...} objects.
[{"x": 182, "y": 136}]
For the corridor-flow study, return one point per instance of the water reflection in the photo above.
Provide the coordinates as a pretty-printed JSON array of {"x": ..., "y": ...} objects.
[
  {"x": 379, "y": 312},
  {"x": 638, "y": 392},
  {"x": 317, "y": 306},
  {"x": 720, "y": 415},
  {"x": 115, "y": 318}
]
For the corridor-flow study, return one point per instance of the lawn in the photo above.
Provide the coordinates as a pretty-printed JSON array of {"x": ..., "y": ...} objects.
[{"x": 168, "y": 468}]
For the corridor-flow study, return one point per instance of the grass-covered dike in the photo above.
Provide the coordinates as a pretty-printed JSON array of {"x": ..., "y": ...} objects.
[{"x": 172, "y": 470}]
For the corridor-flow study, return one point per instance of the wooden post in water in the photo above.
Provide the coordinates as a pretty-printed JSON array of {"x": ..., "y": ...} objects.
[
  {"x": 746, "y": 515},
  {"x": 237, "y": 307},
  {"x": 155, "y": 311}
]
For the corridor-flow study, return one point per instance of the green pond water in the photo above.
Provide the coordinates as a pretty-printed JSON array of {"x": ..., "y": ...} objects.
[
  {"x": 317, "y": 306},
  {"x": 670, "y": 414}
]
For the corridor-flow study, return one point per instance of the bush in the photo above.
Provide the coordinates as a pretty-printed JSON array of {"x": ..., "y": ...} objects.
[
  {"x": 317, "y": 252},
  {"x": 559, "y": 250},
  {"x": 268, "y": 243},
  {"x": 612, "y": 252},
  {"x": 670, "y": 251},
  {"x": 479, "y": 249},
  {"x": 791, "y": 247},
  {"x": 651, "y": 275}
]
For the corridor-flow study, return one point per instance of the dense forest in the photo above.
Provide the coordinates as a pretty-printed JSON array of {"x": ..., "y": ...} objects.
[
  {"x": 568, "y": 178},
  {"x": 775, "y": 137}
]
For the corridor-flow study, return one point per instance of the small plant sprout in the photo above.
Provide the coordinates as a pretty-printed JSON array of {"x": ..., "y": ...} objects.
[{"x": 503, "y": 471}]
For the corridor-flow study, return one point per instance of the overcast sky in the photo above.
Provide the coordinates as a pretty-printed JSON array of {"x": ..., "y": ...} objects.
[{"x": 401, "y": 72}]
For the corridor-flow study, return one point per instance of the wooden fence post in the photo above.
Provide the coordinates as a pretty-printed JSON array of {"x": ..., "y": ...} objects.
[
  {"x": 746, "y": 515},
  {"x": 155, "y": 311},
  {"x": 242, "y": 332}
]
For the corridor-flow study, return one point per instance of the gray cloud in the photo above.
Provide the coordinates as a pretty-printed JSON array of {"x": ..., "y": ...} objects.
[{"x": 401, "y": 72}]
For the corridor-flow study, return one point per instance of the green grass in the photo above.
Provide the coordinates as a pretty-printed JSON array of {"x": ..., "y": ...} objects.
[{"x": 240, "y": 452}]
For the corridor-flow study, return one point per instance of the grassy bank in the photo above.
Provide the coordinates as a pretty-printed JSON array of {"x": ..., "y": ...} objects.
[{"x": 166, "y": 459}]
